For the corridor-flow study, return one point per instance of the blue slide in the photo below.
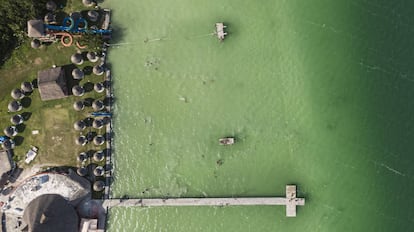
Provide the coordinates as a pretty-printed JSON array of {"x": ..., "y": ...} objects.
[{"x": 70, "y": 25}]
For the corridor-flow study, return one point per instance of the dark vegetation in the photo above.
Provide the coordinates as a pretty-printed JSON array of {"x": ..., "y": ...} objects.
[{"x": 13, "y": 22}]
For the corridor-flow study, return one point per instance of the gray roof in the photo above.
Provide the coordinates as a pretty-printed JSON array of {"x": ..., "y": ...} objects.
[
  {"x": 35, "y": 28},
  {"x": 51, "y": 212},
  {"x": 51, "y": 6},
  {"x": 5, "y": 167},
  {"x": 14, "y": 106},
  {"x": 52, "y": 84}
]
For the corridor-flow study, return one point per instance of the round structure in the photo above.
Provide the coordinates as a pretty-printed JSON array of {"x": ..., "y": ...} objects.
[
  {"x": 98, "y": 186},
  {"x": 77, "y": 74},
  {"x": 81, "y": 140},
  {"x": 27, "y": 87},
  {"x": 10, "y": 131},
  {"x": 17, "y": 119},
  {"x": 99, "y": 140},
  {"x": 51, "y": 6},
  {"x": 78, "y": 90},
  {"x": 82, "y": 171},
  {"x": 98, "y": 156},
  {"x": 8, "y": 144},
  {"x": 76, "y": 59},
  {"x": 92, "y": 57},
  {"x": 97, "y": 105},
  {"x": 99, "y": 87},
  {"x": 98, "y": 171},
  {"x": 79, "y": 125},
  {"x": 82, "y": 157},
  {"x": 78, "y": 105},
  {"x": 17, "y": 94},
  {"x": 88, "y": 3},
  {"x": 49, "y": 18},
  {"x": 93, "y": 15},
  {"x": 98, "y": 70},
  {"x": 98, "y": 123},
  {"x": 51, "y": 212},
  {"x": 35, "y": 43},
  {"x": 14, "y": 106}
]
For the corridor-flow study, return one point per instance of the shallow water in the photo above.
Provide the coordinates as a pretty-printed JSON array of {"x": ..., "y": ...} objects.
[{"x": 317, "y": 94}]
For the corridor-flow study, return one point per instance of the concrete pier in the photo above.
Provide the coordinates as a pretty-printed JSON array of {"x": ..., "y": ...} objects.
[
  {"x": 220, "y": 31},
  {"x": 290, "y": 201}
]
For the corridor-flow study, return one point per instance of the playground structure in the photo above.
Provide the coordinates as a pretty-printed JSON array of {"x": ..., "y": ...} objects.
[{"x": 69, "y": 29}]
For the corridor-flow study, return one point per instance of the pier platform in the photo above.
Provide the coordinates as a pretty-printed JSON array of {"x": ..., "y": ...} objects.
[{"x": 290, "y": 201}]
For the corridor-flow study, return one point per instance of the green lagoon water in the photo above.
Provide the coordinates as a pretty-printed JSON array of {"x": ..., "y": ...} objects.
[{"x": 318, "y": 93}]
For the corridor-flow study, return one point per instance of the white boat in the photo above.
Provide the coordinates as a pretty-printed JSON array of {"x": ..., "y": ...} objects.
[
  {"x": 226, "y": 141},
  {"x": 31, "y": 154}
]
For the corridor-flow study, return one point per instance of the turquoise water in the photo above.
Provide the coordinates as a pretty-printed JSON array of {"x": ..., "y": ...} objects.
[{"x": 317, "y": 94}]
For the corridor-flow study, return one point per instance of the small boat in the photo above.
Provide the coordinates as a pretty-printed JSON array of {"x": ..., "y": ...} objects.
[{"x": 226, "y": 141}]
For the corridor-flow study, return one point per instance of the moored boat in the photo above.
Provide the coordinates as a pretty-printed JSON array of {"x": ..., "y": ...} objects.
[{"x": 226, "y": 141}]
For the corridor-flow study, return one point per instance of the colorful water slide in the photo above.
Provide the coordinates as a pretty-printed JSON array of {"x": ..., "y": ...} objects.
[{"x": 78, "y": 26}]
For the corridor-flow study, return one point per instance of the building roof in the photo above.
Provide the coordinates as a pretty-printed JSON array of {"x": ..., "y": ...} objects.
[
  {"x": 52, "y": 84},
  {"x": 51, "y": 212},
  {"x": 5, "y": 167},
  {"x": 35, "y": 28}
]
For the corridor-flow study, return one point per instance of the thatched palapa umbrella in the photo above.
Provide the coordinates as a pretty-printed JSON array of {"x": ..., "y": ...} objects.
[
  {"x": 17, "y": 94},
  {"x": 98, "y": 156},
  {"x": 98, "y": 70},
  {"x": 82, "y": 157},
  {"x": 99, "y": 140},
  {"x": 98, "y": 105},
  {"x": 82, "y": 171},
  {"x": 78, "y": 105},
  {"x": 81, "y": 140},
  {"x": 98, "y": 186},
  {"x": 99, "y": 87},
  {"x": 76, "y": 59},
  {"x": 79, "y": 125},
  {"x": 93, "y": 15},
  {"x": 27, "y": 87},
  {"x": 98, "y": 171},
  {"x": 98, "y": 123},
  {"x": 77, "y": 74},
  {"x": 17, "y": 119},
  {"x": 14, "y": 106},
  {"x": 88, "y": 2},
  {"x": 10, "y": 131},
  {"x": 49, "y": 18},
  {"x": 35, "y": 43},
  {"x": 8, "y": 144},
  {"x": 92, "y": 57},
  {"x": 78, "y": 90},
  {"x": 51, "y": 6}
]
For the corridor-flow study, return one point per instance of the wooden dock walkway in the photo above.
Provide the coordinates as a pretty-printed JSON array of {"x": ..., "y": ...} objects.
[{"x": 290, "y": 201}]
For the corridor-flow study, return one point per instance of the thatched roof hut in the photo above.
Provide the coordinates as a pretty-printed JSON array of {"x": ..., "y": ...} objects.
[
  {"x": 26, "y": 87},
  {"x": 10, "y": 131},
  {"x": 51, "y": 212},
  {"x": 81, "y": 140},
  {"x": 98, "y": 105},
  {"x": 35, "y": 28},
  {"x": 98, "y": 70},
  {"x": 8, "y": 144},
  {"x": 77, "y": 74},
  {"x": 14, "y": 106},
  {"x": 49, "y": 18},
  {"x": 78, "y": 90},
  {"x": 88, "y": 2},
  {"x": 82, "y": 157},
  {"x": 78, "y": 105},
  {"x": 17, "y": 94},
  {"x": 51, "y": 6},
  {"x": 92, "y": 56},
  {"x": 77, "y": 59},
  {"x": 99, "y": 140},
  {"x": 82, "y": 171},
  {"x": 17, "y": 119},
  {"x": 99, "y": 87},
  {"x": 93, "y": 15},
  {"x": 79, "y": 125},
  {"x": 98, "y": 171},
  {"x": 35, "y": 43},
  {"x": 98, "y": 123},
  {"x": 52, "y": 84},
  {"x": 98, "y": 156},
  {"x": 98, "y": 186}
]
